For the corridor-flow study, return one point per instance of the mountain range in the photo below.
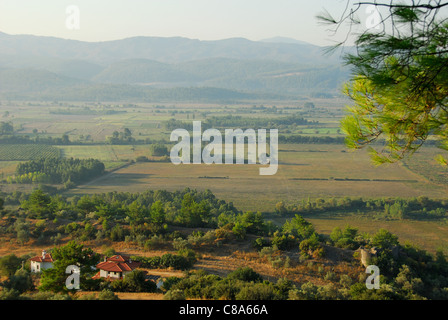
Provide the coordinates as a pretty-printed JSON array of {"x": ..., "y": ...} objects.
[{"x": 37, "y": 67}]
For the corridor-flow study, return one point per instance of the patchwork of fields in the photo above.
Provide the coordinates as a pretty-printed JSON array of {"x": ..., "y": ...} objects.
[{"x": 304, "y": 171}]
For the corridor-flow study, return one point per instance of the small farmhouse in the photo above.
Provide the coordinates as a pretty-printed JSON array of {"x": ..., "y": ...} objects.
[
  {"x": 116, "y": 267},
  {"x": 42, "y": 262}
]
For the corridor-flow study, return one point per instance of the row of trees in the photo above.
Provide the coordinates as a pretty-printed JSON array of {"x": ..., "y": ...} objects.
[
  {"x": 262, "y": 123},
  {"x": 58, "y": 170},
  {"x": 390, "y": 208},
  {"x": 301, "y": 139}
]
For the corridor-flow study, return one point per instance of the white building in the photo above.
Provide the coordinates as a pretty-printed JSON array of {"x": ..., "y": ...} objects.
[
  {"x": 42, "y": 262},
  {"x": 115, "y": 267}
]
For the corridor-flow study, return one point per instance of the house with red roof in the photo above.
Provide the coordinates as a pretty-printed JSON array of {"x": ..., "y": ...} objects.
[
  {"x": 116, "y": 267},
  {"x": 42, "y": 262}
]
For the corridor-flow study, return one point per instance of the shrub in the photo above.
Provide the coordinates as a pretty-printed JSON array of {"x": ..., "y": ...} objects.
[
  {"x": 257, "y": 291},
  {"x": 134, "y": 282},
  {"x": 9, "y": 294},
  {"x": 21, "y": 281},
  {"x": 330, "y": 276},
  {"x": 174, "y": 295},
  {"x": 107, "y": 295},
  {"x": 245, "y": 274}
]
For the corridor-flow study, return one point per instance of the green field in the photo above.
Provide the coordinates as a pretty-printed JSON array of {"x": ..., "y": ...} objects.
[{"x": 23, "y": 152}]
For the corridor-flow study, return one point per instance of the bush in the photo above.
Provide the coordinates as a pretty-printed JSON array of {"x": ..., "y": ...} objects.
[
  {"x": 179, "y": 262},
  {"x": 169, "y": 282},
  {"x": 107, "y": 295},
  {"x": 284, "y": 242},
  {"x": 134, "y": 282},
  {"x": 330, "y": 276},
  {"x": 159, "y": 150},
  {"x": 180, "y": 244},
  {"x": 261, "y": 243},
  {"x": 21, "y": 281},
  {"x": 257, "y": 291},
  {"x": 9, "y": 265},
  {"x": 47, "y": 295},
  {"x": 345, "y": 281},
  {"x": 141, "y": 159},
  {"x": 9, "y": 294},
  {"x": 174, "y": 295},
  {"x": 245, "y": 274},
  {"x": 311, "y": 247}
]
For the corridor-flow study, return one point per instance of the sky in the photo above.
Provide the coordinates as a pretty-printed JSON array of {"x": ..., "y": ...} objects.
[{"x": 104, "y": 20}]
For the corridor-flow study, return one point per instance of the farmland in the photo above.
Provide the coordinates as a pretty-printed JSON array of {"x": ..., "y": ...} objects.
[
  {"x": 305, "y": 170},
  {"x": 11, "y": 152}
]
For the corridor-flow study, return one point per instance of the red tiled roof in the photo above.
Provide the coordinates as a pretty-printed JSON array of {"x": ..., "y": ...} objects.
[
  {"x": 48, "y": 258},
  {"x": 117, "y": 263},
  {"x": 118, "y": 258}
]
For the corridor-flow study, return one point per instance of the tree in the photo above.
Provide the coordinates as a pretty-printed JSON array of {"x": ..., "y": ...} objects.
[
  {"x": 9, "y": 264},
  {"x": 134, "y": 282},
  {"x": 280, "y": 208},
  {"x": 72, "y": 253},
  {"x": 384, "y": 239},
  {"x": 399, "y": 85},
  {"x": 38, "y": 204},
  {"x": 6, "y": 128},
  {"x": 245, "y": 274},
  {"x": 157, "y": 213},
  {"x": 311, "y": 246},
  {"x": 159, "y": 150},
  {"x": 136, "y": 213},
  {"x": 21, "y": 281},
  {"x": 298, "y": 227}
]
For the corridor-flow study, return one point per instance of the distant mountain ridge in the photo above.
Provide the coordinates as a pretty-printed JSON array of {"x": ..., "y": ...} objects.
[
  {"x": 163, "y": 49},
  {"x": 277, "y": 66},
  {"x": 284, "y": 40}
]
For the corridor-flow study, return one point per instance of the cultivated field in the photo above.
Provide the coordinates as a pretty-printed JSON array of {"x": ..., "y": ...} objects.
[{"x": 304, "y": 171}]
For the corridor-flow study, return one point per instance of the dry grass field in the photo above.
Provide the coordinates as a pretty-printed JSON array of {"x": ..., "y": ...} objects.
[{"x": 304, "y": 171}]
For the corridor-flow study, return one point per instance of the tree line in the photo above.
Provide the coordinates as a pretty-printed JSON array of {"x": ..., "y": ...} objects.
[
  {"x": 390, "y": 208},
  {"x": 57, "y": 171}
]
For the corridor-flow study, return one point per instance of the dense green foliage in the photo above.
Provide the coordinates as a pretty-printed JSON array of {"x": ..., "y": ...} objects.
[
  {"x": 399, "y": 82},
  {"x": 72, "y": 253},
  {"x": 58, "y": 170},
  {"x": 242, "y": 284},
  {"x": 124, "y": 137},
  {"x": 265, "y": 123},
  {"x": 145, "y": 219},
  {"x": 387, "y": 208},
  {"x": 168, "y": 260},
  {"x": 133, "y": 282},
  {"x": 9, "y": 264},
  {"x": 302, "y": 139}
]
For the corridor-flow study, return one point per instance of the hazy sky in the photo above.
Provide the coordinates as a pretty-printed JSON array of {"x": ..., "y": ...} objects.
[{"x": 102, "y": 20}]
